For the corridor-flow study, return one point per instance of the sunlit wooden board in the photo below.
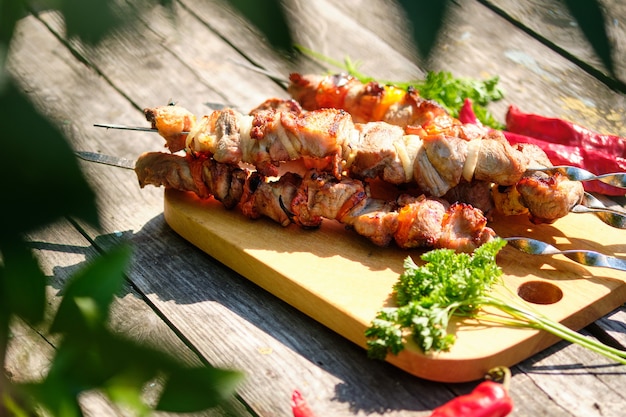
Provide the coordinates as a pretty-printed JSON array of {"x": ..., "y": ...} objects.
[{"x": 341, "y": 280}]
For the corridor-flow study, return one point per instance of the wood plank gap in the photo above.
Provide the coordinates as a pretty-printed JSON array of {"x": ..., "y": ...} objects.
[
  {"x": 101, "y": 250},
  {"x": 83, "y": 59},
  {"x": 611, "y": 82},
  {"x": 249, "y": 61}
]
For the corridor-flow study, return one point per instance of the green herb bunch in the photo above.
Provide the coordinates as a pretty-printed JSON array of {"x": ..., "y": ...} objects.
[
  {"x": 451, "y": 92},
  {"x": 429, "y": 295},
  {"x": 456, "y": 284}
]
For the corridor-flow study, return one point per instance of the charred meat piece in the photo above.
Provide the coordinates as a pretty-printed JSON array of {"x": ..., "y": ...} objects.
[
  {"x": 278, "y": 104},
  {"x": 464, "y": 229},
  {"x": 409, "y": 221},
  {"x": 549, "y": 198},
  {"x": 203, "y": 176},
  {"x": 367, "y": 102},
  {"x": 171, "y": 121},
  {"x": 265, "y": 199}
]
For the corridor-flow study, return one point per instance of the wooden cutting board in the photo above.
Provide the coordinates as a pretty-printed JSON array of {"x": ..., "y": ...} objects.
[{"x": 341, "y": 279}]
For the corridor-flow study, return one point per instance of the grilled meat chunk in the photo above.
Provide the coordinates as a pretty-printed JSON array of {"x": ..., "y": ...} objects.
[{"x": 549, "y": 198}]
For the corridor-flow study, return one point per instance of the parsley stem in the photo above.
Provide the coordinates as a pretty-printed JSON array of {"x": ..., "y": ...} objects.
[{"x": 540, "y": 322}]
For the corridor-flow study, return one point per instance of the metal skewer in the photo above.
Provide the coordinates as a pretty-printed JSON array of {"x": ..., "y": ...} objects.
[
  {"x": 531, "y": 246},
  {"x": 582, "y": 256},
  {"x": 123, "y": 127},
  {"x": 612, "y": 217},
  {"x": 609, "y": 216},
  {"x": 616, "y": 179},
  {"x": 101, "y": 158}
]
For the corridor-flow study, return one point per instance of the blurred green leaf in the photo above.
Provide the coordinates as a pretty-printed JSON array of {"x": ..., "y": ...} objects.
[
  {"x": 91, "y": 20},
  {"x": 88, "y": 295},
  {"x": 127, "y": 388},
  {"x": 23, "y": 283},
  {"x": 195, "y": 389},
  {"x": 54, "y": 397},
  {"x": 269, "y": 17},
  {"x": 10, "y": 12},
  {"x": 427, "y": 18},
  {"x": 42, "y": 180},
  {"x": 590, "y": 18}
]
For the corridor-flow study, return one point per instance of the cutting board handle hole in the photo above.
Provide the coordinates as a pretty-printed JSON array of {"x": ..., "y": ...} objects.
[{"x": 540, "y": 292}]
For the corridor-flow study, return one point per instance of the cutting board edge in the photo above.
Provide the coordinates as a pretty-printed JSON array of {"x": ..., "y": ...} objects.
[{"x": 410, "y": 360}]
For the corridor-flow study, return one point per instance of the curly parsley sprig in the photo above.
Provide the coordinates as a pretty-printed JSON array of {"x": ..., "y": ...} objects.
[{"x": 456, "y": 284}]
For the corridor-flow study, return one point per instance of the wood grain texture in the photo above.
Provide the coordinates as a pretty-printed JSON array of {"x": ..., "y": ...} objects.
[
  {"x": 228, "y": 320},
  {"x": 557, "y": 25}
]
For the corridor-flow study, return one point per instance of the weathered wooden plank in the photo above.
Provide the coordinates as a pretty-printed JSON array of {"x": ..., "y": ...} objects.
[
  {"x": 227, "y": 318},
  {"x": 28, "y": 359},
  {"x": 61, "y": 251},
  {"x": 533, "y": 77},
  {"x": 597, "y": 379},
  {"x": 550, "y": 20}
]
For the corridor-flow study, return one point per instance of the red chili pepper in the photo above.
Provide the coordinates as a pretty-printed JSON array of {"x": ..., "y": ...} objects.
[
  {"x": 562, "y": 131},
  {"x": 299, "y": 406},
  {"x": 567, "y": 143},
  {"x": 488, "y": 399},
  {"x": 466, "y": 113},
  {"x": 564, "y": 143}
]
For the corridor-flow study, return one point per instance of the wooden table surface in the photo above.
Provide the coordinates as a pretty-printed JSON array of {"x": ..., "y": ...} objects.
[{"x": 187, "y": 302}]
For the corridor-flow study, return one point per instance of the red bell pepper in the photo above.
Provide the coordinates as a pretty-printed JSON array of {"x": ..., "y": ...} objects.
[
  {"x": 488, "y": 399},
  {"x": 565, "y": 143}
]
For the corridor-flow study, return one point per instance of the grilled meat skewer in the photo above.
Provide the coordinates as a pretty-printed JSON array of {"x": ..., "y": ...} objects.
[
  {"x": 369, "y": 102},
  {"x": 306, "y": 200},
  {"x": 328, "y": 140}
]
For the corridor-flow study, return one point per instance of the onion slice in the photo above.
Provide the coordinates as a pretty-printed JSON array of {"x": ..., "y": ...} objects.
[{"x": 473, "y": 149}]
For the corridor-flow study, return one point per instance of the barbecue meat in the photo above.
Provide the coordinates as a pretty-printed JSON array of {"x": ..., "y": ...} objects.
[
  {"x": 420, "y": 223},
  {"x": 545, "y": 198},
  {"x": 464, "y": 229},
  {"x": 374, "y": 153},
  {"x": 278, "y": 104},
  {"x": 447, "y": 155},
  {"x": 262, "y": 198},
  {"x": 203, "y": 176},
  {"x": 171, "y": 121},
  {"x": 498, "y": 161},
  {"x": 477, "y": 194},
  {"x": 166, "y": 170},
  {"x": 307, "y": 200},
  {"x": 322, "y": 196},
  {"x": 367, "y": 102},
  {"x": 377, "y": 220},
  {"x": 327, "y": 139},
  {"x": 549, "y": 197}
]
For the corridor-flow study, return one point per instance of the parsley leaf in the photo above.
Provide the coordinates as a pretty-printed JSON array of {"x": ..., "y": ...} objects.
[
  {"x": 428, "y": 295},
  {"x": 456, "y": 284}
]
